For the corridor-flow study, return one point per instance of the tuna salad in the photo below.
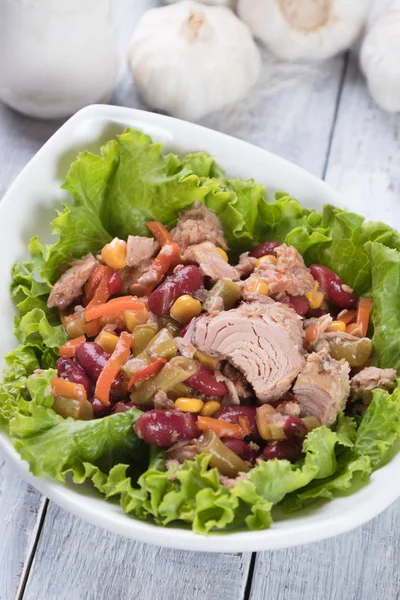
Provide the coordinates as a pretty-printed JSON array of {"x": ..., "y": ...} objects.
[{"x": 199, "y": 352}]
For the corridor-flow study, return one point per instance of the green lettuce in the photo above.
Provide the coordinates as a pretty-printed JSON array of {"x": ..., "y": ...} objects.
[
  {"x": 58, "y": 446},
  {"x": 114, "y": 194}
]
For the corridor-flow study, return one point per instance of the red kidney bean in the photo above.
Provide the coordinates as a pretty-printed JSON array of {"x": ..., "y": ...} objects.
[
  {"x": 300, "y": 304},
  {"x": 204, "y": 381},
  {"x": 185, "y": 281},
  {"x": 331, "y": 284},
  {"x": 232, "y": 414},
  {"x": 166, "y": 427},
  {"x": 99, "y": 410},
  {"x": 294, "y": 428},
  {"x": 114, "y": 284},
  {"x": 92, "y": 358},
  {"x": 68, "y": 369},
  {"x": 282, "y": 449},
  {"x": 239, "y": 447},
  {"x": 265, "y": 248}
]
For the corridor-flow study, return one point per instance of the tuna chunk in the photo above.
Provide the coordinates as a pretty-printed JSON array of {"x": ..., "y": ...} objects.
[
  {"x": 246, "y": 264},
  {"x": 323, "y": 387},
  {"x": 369, "y": 379},
  {"x": 289, "y": 276},
  {"x": 262, "y": 341},
  {"x": 182, "y": 451},
  {"x": 139, "y": 249},
  {"x": 69, "y": 287},
  {"x": 196, "y": 225},
  {"x": 210, "y": 261}
]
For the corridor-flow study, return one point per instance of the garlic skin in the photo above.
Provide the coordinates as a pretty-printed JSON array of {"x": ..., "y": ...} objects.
[
  {"x": 380, "y": 60},
  {"x": 305, "y": 29},
  {"x": 188, "y": 59}
]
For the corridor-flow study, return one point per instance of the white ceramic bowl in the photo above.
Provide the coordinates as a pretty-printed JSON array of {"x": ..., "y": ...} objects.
[{"x": 27, "y": 209}]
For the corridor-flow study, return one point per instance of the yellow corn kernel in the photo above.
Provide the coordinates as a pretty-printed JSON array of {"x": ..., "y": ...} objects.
[
  {"x": 107, "y": 341},
  {"x": 265, "y": 259},
  {"x": 210, "y": 408},
  {"x": 192, "y": 405},
  {"x": 134, "y": 318},
  {"x": 223, "y": 254},
  {"x": 185, "y": 308},
  {"x": 208, "y": 361},
  {"x": 315, "y": 298},
  {"x": 114, "y": 254},
  {"x": 337, "y": 326},
  {"x": 258, "y": 286}
]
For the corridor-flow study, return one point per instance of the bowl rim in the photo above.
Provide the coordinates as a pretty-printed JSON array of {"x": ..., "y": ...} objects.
[{"x": 117, "y": 522}]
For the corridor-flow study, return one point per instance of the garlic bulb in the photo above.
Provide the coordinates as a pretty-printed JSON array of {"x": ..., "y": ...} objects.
[
  {"x": 380, "y": 60},
  {"x": 305, "y": 29},
  {"x": 230, "y": 3},
  {"x": 189, "y": 59}
]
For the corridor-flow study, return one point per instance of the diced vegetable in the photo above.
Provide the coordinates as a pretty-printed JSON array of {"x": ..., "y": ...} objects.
[
  {"x": 363, "y": 314},
  {"x": 227, "y": 462},
  {"x": 107, "y": 341},
  {"x": 356, "y": 352},
  {"x": 142, "y": 336},
  {"x": 175, "y": 371},
  {"x": 134, "y": 318},
  {"x": 75, "y": 409},
  {"x": 113, "y": 306},
  {"x": 74, "y": 326},
  {"x": 112, "y": 368},
  {"x": 227, "y": 290},
  {"x": 267, "y": 258},
  {"x": 160, "y": 232},
  {"x": 69, "y": 348},
  {"x": 207, "y": 361},
  {"x": 220, "y": 427},
  {"x": 147, "y": 372},
  {"x": 315, "y": 298},
  {"x": 347, "y": 316},
  {"x": 223, "y": 254},
  {"x": 67, "y": 389}
]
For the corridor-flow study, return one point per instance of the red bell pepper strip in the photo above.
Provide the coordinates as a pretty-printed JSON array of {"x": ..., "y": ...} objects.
[
  {"x": 113, "y": 367},
  {"x": 147, "y": 372}
]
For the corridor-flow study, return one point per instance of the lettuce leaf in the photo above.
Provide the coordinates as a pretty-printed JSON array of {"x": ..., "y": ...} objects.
[
  {"x": 58, "y": 446},
  {"x": 385, "y": 265}
]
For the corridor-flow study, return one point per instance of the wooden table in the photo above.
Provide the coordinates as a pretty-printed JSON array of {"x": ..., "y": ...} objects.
[{"x": 322, "y": 118}]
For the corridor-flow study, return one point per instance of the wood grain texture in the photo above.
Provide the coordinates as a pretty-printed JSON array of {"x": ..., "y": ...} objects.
[
  {"x": 76, "y": 560},
  {"x": 20, "y": 506},
  {"x": 364, "y": 162},
  {"x": 361, "y": 565}
]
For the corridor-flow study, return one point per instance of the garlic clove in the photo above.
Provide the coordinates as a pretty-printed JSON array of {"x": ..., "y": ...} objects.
[
  {"x": 305, "y": 29},
  {"x": 380, "y": 59},
  {"x": 188, "y": 59}
]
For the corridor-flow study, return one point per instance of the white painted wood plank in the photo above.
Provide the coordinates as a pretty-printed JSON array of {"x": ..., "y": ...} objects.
[
  {"x": 76, "y": 560},
  {"x": 364, "y": 162},
  {"x": 20, "y": 506},
  {"x": 361, "y": 565}
]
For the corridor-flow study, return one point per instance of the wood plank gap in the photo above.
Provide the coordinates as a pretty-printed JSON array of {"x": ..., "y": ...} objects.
[
  {"x": 345, "y": 67},
  {"x": 32, "y": 550},
  {"x": 249, "y": 581}
]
